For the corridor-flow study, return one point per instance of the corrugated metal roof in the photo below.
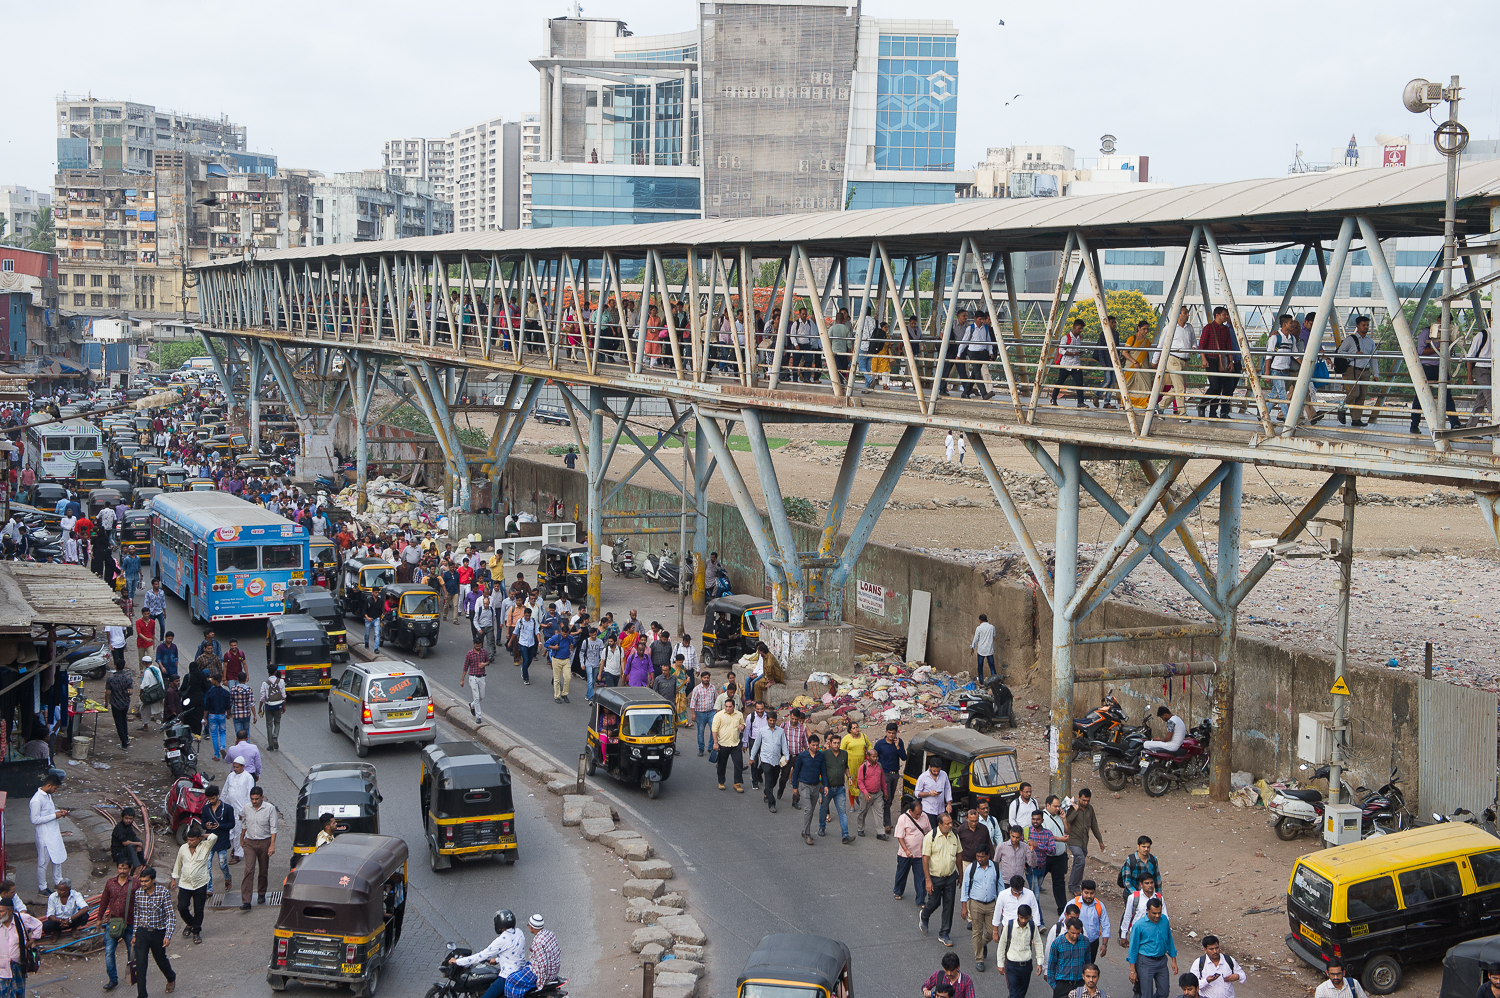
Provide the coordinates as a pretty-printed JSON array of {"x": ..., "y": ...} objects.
[
  {"x": 33, "y": 594},
  {"x": 1406, "y": 201}
]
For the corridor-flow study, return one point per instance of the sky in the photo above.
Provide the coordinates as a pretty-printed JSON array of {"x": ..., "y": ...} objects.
[{"x": 1208, "y": 92}]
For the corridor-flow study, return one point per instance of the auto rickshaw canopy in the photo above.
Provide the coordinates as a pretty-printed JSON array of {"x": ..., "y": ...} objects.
[
  {"x": 298, "y": 638},
  {"x": 574, "y": 556},
  {"x": 989, "y": 763},
  {"x": 347, "y": 790},
  {"x": 796, "y": 958},
  {"x": 349, "y": 875},
  {"x": 622, "y": 701},
  {"x": 370, "y": 573}
]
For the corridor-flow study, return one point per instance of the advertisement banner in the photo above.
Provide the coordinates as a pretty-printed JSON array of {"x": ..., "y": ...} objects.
[
  {"x": 1395, "y": 155},
  {"x": 870, "y": 598}
]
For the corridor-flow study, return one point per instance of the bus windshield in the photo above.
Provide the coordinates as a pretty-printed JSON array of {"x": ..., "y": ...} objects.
[
  {"x": 238, "y": 559},
  {"x": 275, "y": 556}
]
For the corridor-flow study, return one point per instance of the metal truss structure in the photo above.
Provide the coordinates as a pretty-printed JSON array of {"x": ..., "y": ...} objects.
[{"x": 507, "y": 304}]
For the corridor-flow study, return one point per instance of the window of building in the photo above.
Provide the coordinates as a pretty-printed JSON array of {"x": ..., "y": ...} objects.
[
  {"x": 114, "y": 280},
  {"x": 1289, "y": 256},
  {"x": 1136, "y": 258},
  {"x": 1305, "y": 289},
  {"x": 1144, "y": 287},
  {"x": 1256, "y": 258},
  {"x": 581, "y": 191},
  {"x": 114, "y": 301},
  {"x": 78, "y": 301},
  {"x": 96, "y": 280},
  {"x": 1254, "y": 288},
  {"x": 7, "y": 266},
  {"x": 96, "y": 301},
  {"x": 1361, "y": 289},
  {"x": 899, "y": 194},
  {"x": 916, "y": 104}
]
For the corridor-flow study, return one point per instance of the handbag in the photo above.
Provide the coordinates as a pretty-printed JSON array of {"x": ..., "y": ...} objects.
[
  {"x": 116, "y": 928},
  {"x": 713, "y": 755},
  {"x": 1321, "y": 377},
  {"x": 30, "y": 956}
]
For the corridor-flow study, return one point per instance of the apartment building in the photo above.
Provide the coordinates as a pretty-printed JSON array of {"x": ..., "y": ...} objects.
[
  {"x": 484, "y": 176},
  {"x": 419, "y": 159},
  {"x": 531, "y": 151},
  {"x": 22, "y": 207},
  {"x": 371, "y": 205},
  {"x": 95, "y": 134}
]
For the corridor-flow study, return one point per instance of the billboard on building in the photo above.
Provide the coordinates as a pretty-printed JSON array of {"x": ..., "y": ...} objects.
[{"x": 1395, "y": 156}]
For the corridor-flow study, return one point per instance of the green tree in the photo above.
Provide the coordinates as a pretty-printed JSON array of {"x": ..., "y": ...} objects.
[
  {"x": 173, "y": 354},
  {"x": 1128, "y": 308},
  {"x": 43, "y": 235}
]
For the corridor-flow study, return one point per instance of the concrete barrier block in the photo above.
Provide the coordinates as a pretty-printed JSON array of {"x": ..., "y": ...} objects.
[
  {"x": 684, "y": 951},
  {"x": 684, "y": 928},
  {"x": 636, "y": 848},
  {"x": 650, "y": 934},
  {"x": 662, "y": 992},
  {"x": 675, "y": 966},
  {"x": 670, "y": 981},
  {"x": 673, "y": 899},
  {"x": 530, "y": 763},
  {"x": 651, "y": 953},
  {"x": 652, "y": 889},
  {"x": 599, "y": 809},
  {"x": 562, "y": 788},
  {"x": 572, "y": 815},
  {"x": 651, "y": 869},
  {"x": 595, "y": 827},
  {"x": 649, "y": 914},
  {"x": 618, "y": 835}
]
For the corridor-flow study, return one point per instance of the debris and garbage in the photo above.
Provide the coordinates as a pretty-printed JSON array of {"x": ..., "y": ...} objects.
[
  {"x": 882, "y": 687},
  {"x": 392, "y": 503}
]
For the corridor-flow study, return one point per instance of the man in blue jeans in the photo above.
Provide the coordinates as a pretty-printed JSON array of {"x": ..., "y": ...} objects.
[
  {"x": 701, "y": 703},
  {"x": 526, "y": 635},
  {"x": 836, "y": 763},
  {"x": 114, "y": 902}
]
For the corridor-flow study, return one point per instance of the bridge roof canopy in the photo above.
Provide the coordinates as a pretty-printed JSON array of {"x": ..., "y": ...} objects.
[{"x": 1405, "y": 201}]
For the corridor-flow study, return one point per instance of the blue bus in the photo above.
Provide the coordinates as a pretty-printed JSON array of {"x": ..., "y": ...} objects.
[{"x": 227, "y": 559}]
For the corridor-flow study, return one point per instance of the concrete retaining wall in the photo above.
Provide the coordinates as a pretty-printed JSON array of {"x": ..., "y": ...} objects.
[{"x": 1274, "y": 685}]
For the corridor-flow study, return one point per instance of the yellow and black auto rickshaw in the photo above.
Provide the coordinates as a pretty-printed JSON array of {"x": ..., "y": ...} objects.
[
  {"x": 564, "y": 569},
  {"x": 100, "y": 498},
  {"x": 362, "y": 581},
  {"x": 171, "y": 477},
  {"x": 731, "y": 627},
  {"x": 794, "y": 965},
  {"x": 135, "y": 533},
  {"x": 320, "y": 605},
  {"x": 346, "y": 790},
  {"x": 200, "y": 485},
  {"x": 341, "y": 914},
  {"x": 467, "y": 811},
  {"x": 632, "y": 736},
  {"x": 977, "y": 766},
  {"x": 298, "y": 647},
  {"x": 89, "y": 473},
  {"x": 141, "y": 498},
  {"x": 323, "y": 561},
  {"x": 414, "y": 618}
]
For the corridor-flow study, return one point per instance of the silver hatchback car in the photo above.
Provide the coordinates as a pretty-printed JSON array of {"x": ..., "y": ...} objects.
[{"x": 382, "y": 703}]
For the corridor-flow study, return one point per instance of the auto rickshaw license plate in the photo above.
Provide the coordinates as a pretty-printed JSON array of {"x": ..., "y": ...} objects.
[
  {"x": 1310, "y": 935},
  {"x": 398, "y": 715},
  {"x": 351, "y": 968}
]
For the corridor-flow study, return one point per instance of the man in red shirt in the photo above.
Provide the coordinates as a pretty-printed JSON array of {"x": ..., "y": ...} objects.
[
  {"x": 145, "y": 636},
  {"x": 234, "y": 663},
  {"x": 1222, "y": 361}
]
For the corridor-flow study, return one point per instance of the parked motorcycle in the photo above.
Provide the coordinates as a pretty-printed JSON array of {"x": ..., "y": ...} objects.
[
  {"x": 180, "y": 746},
  {"x": 1161, "y": 769},
  {"x": 1299, "y": 810},
  {"x": 1120, "y": 762},
  {"x": 988, "y": 707},
  {"x": 185, "y": 800},
  {"x": 1104, "y": 724},
  {"x": 663, "y": 569},
  {"x": 1385, "y": 809},
  {"x": 466, "y": 982}
]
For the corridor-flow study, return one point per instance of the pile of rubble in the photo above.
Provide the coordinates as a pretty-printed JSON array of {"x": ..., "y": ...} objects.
[{"x": 392, "y": 503}]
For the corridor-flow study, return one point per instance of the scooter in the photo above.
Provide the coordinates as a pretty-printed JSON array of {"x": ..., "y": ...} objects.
[
  {"x": 667, "y": 573},
  {"x": 180, "y": 746},
  {"x": 622, "y": 561},
  {"x": 465, "y": 982},
  {"x": 184, "y": 805},
  {"x": 989, "y": 707},
  {"x": 1161, "y": 770}
]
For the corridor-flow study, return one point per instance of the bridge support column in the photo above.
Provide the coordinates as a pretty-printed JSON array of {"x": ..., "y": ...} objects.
[
  {"x": 703, "y": 470},
  {"x": 807, "y": 632},
  {"x": 362, "y": 371},
  {"x": 315, "y": 452},
  {"x": 595, "y": 459},
  {"x": 257, "y": 372},
  {"x": 1064, "y": 630},
  {"x": 430, "y": 392}
]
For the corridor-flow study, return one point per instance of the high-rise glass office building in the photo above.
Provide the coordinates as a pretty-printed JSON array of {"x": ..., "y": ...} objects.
[{"x": 765, "y": 108}]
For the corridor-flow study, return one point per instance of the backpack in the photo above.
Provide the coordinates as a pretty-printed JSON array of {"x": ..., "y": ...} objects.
[{"x": 1201, "y": 964}]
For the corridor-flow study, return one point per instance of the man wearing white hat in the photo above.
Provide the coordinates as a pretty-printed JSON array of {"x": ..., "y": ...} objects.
[
  {"x": 236, "y": 793},
  {"x": 545, "y": 963}
]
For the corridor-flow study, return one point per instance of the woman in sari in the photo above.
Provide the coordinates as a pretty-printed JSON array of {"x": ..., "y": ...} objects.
[
  {"x": 1138, "y": 376},
  {"x": 684, "y": 683},
  {"x": 654, "y": 327}
]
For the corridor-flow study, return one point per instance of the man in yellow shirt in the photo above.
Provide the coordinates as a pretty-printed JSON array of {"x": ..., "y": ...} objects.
[
  {"x": 728, "y": 726},
  {"x": 940, "y": 849}
]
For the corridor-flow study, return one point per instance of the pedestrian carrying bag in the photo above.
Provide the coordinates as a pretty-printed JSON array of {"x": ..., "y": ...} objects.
[
  {"x": 116, "y": 928},
  {"x": 1321, "y": 377},
  {"x": 30, "y": 957}
]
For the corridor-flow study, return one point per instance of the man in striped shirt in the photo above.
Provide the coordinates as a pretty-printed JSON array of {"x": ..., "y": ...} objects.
[
  {"x": 701, "y": 703},
  {"x": 155, "y": 921}
]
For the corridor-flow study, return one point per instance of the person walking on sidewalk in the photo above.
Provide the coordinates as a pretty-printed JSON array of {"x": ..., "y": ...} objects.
[
  {"x": 153, "y": 921},
  {"x": 1095, "y": 921},
  {"x": 1019, "y": 952},
  {"x": 701, "y": 703},
  {"x": 1218, "y": 972},
  {"x": 728, "y": 725},
  {"x": 769, "y": 752},
  {"x": 525, "y": 635},
  {"x": 237, "y": 786},
  {"x": 1067, "y": 958},
  {"x": 977, "y": 894},
  {"x": 809, "y": 769},
  {"x": 1138, "y": 866},
  {"x": 871, "y": 785},
  {"x": 272, "y": 703},
  {"x": 836, "y": 761},
  {"x": 242, "y": 708},
  {"x": 1151, "y": 947},
  {"x": 1081, "y": 820},
  {"x": 475, "y": 663},
  {"x": 891, "y": 751},
  {"x": 258, "y": 838},
  {"x": 940, "y": 849},
  {"x": 218, "y": 818},
  {"x": 190, "y": 875},
  {"x": 115, "y": 910},
  {"x": 117, "y": 687},
  {"x": 560, "y": 649},
  {"x": 1057, "y": 864},
  {"x": 911, "y": 828}
]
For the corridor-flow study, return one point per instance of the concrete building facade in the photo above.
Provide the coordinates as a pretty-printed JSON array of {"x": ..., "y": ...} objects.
[
  {"x": 419, "y": 159},
  {"x": 370, "y": 205},
  {"x": 22, "y": 208},
  {"x": 94, "y": 134},
  {"x": 484, "y": 176}
]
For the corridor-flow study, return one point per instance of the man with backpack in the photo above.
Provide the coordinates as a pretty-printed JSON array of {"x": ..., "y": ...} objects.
[
  {"x": 1019, "y": 947},
  {"x": 1217, "y": 972},
  {"x": 272, "y": 701}
]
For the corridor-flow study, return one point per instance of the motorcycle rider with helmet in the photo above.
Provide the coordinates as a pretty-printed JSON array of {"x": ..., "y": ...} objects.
[{"x": 507, "y": 951}]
